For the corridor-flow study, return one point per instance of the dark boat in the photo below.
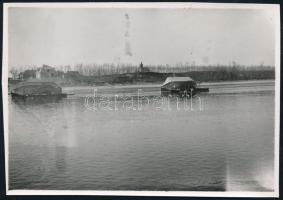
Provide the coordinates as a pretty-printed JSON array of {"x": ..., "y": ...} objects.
[
  {"x": 181, "y": 86},
  {"x": 37, "y": 90}
]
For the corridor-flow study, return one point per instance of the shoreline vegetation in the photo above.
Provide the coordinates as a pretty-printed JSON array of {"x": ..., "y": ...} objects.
[{"x": 96, "y": 75}]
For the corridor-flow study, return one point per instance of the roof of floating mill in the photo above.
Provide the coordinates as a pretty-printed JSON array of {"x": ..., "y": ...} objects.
[{"x": 177, "y": 79}]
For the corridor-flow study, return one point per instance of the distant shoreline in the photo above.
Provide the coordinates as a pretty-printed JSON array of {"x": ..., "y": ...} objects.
[{"x": 156, "y": 78}]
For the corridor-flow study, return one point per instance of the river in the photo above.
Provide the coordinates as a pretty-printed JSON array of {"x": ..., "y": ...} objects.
[{"x": 219, "y": 141}]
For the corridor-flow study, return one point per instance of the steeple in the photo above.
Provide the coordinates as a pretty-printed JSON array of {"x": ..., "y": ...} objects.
[{"x": 141, "y": 66}]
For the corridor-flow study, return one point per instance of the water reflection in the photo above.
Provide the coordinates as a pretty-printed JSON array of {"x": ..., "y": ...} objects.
[{"x": 60, "y": 159}]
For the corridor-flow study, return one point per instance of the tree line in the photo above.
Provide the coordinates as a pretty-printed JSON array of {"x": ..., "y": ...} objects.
[{"x": 109, "y": 69}]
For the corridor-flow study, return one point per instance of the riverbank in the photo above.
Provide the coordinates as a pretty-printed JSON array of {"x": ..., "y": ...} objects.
[
  {"x": 158, "y": 78},
  {"x": 77, "y": 79}
]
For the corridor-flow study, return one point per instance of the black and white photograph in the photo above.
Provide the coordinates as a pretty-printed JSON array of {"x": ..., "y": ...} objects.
[{"x": 142, "y": 99}]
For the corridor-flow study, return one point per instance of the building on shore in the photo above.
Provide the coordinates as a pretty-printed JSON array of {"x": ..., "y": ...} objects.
[{"x": 48, "y": 72}]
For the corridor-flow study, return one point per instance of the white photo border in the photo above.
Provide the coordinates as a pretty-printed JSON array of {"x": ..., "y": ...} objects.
[{"x": 274, "y": 7}]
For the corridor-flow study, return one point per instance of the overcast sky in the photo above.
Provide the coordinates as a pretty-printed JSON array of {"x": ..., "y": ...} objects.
[{"x": 60, "y": 36}]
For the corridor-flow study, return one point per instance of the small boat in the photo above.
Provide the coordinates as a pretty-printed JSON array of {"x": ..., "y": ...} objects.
[
  {"x": 37, "y": 90},
  {"x": 181, "y": 86}
]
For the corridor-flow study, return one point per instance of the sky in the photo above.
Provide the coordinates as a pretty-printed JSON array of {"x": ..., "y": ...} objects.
[{"x": 69, "y": 36}]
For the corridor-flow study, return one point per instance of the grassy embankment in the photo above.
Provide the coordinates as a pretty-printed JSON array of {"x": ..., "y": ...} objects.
[{"x": 155, "y": 77}]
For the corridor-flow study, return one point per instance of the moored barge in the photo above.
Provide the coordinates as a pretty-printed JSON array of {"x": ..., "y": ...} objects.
[{"x": 37, "y": 90}]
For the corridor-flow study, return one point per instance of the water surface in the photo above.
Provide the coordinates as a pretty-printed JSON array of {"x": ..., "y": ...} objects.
[{"x": 223, "y": 140}]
